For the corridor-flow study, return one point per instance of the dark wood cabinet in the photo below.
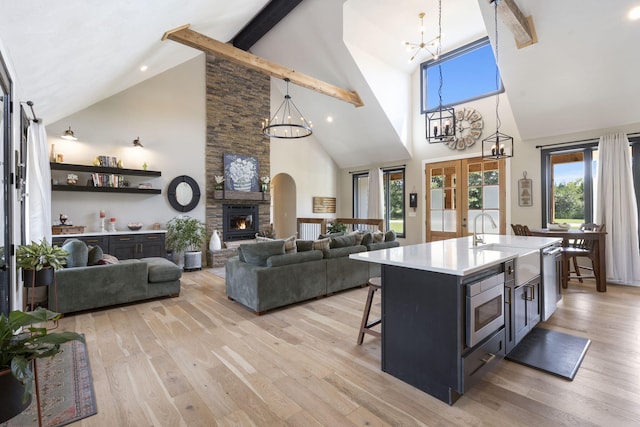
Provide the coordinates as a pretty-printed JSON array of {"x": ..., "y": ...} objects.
[
  {"x": 137, "y": 245},
  {"x": 124, "y": 246},
  {"x": 526, "y": 308}
]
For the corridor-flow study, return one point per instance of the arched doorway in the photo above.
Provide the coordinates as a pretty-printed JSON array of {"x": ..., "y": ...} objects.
[{"x": 283, "y": 205}]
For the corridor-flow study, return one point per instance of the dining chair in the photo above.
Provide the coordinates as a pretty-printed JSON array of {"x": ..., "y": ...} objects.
[
  {"x": 581, "y": 248},
  {"x": 520, "y": 230}
]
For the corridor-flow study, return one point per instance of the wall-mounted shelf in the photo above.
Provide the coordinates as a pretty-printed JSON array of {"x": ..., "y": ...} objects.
[
  {"x": 104, "y": 171},
  {"x": 105, "y": 189},
  {"x": 242, "y": 195}
]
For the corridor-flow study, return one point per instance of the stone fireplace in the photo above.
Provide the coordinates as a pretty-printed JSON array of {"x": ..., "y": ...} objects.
[{"x": 237, "y": 99}]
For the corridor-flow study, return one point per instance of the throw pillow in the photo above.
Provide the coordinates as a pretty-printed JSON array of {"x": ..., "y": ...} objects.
[
  {"x": 95, "y": 255},
  {"x": 78, "y": 253},
  {"x": 321, "y": 244},
  {"x": 290, "y": 245},
  {"x": 339, "y": 233},
  {"x": 342, "y": 241},
  {"x": 263, "y": 239},
  {"x": 257, "y": 253},
  {"x": 304, "y": 245},
  {"x": 367, "y": 239},
  {"x": 108, "y": 259},
  {"x": 378, "y": 236},
  {"x": 358, "y": 235},
  {"x": 390, "y": 236}
]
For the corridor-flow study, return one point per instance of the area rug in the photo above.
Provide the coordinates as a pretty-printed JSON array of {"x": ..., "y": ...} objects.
[
  {"x": 550, "y": 351},
  {"x": 220, "y": 272},
  {"x": 66, "y": 389}
]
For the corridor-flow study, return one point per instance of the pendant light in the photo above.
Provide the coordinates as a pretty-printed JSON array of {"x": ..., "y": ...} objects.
[
  {"x": 498, "y": 145},
  {"x": 441, "y": 122},
  {"x": 69, "y": 135},
  {"x": 288, "y": 122}
]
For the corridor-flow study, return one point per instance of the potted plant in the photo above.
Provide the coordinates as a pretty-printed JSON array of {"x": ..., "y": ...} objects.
[
  {"x": 39, "y": 261},
  {"x": 18, "y": 347},
  {"x": 336, "y": 227},
  {"x": 185, "y": 235}
]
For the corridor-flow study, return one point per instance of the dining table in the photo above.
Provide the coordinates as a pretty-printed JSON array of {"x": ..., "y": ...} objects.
[{"x": 600, "y": 267}]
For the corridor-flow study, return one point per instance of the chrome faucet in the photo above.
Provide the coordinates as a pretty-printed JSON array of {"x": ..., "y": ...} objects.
[{"x": 477, "y": 239}]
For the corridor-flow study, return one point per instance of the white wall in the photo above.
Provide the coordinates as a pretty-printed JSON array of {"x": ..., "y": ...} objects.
[{"x": 167, "y": 112}]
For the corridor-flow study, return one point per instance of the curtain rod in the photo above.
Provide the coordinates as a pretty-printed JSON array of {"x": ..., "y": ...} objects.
[
  {"x": 33, "y": 113},
  {"x": 384, "y": 168},
  {"x": 583, "y": 140}
]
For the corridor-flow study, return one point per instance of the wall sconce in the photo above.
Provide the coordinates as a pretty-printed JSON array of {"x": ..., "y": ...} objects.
[
  {"x": 137, "y": 143},
  {"x": 69, "y": 135}
]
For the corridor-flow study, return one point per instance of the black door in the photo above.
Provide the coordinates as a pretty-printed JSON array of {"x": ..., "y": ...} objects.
[{"x": 5, "y": 188}]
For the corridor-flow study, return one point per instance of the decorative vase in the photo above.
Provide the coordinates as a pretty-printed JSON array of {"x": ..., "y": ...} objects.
[
  {"x": 242, "y": 185},
  {"x": 215, "y": 244}
]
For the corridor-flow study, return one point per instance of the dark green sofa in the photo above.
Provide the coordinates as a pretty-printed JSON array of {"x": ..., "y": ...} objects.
[
  {"x": 263, "y": 276},
  {"x": 84, "y": 287}
]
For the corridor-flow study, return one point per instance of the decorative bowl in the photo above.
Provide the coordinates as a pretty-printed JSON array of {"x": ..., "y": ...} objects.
[{"x": 134, "y": 226}]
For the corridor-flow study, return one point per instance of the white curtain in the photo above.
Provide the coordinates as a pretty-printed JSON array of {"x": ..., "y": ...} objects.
[
  {"x": 375, "y": 197},
  {"x": 38, "y": 184},
  {"x": 616, "y": 208}
]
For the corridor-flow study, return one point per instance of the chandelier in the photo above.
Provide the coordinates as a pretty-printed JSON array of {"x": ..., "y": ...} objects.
[
  {"x": 498, "y": 145},
  {"x": 441, "y": 122},
  {"x": 283, "y": 125},
  {"x": 417, "y": 47}
]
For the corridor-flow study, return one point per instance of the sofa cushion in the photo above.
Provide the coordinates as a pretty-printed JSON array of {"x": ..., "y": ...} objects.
[
  {"x": 339, "y": 233},
  {"x": 304, "y": 245},
  {"x": 78, "y": 253},
  {"x": 342, "y": 241},
  {"x": 358, "y": 234},
  {"x": 296, "y": 258},
  {"x": 321, "y": 244},
  {"x": 161, "y": 270},
  {"x": 289, "y": 243},
  {"x": 382, "y": 245},
  {"x": 343, "y": 252},
  {"x": 258, "y": 253},
  {"x": 367, "y": 239},
  {"x": 390, "y": 236},
  {"x": 378, "y": 236},
  {"x": 95, "y": 255}
]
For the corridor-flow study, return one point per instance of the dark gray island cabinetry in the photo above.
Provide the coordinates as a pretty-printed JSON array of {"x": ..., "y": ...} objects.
[{"x": 424, "y": 330}]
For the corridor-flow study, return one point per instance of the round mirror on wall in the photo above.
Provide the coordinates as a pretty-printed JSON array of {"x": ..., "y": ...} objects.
[{"x": 183, "y": 193}]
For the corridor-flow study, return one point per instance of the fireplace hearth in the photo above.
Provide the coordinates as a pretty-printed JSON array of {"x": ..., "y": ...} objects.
[{"x": 240, "y": 222}]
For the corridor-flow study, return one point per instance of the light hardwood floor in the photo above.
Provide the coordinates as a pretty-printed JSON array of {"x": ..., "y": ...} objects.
[{"x": 202, "y": 360}]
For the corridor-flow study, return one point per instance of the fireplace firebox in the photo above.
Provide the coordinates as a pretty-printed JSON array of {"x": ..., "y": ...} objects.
[{"x": 239, "y": 222}]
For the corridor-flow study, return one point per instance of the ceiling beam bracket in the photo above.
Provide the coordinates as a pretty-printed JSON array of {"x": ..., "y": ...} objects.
[
  {"x": 521, "y": 26},
  {"x": 188, "y": 37}
]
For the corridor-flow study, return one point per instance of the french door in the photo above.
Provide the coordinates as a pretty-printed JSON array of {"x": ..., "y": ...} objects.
[
  {"x": 458, "y": 191},
  {"x": 5, "y": 194}
]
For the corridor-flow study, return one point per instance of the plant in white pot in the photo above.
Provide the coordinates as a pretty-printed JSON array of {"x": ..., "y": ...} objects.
[
  {"x": 186, "y": 235},
  {"x": 21, "y": 343}
]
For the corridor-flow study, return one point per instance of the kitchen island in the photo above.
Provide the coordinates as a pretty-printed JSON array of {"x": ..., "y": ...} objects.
[{"x": 434, "y": 336}]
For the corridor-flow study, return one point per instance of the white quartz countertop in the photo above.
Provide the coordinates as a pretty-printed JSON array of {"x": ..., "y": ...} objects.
[
  {"x": 457, "y": 256},
  {"x": 108, "y": 233}
]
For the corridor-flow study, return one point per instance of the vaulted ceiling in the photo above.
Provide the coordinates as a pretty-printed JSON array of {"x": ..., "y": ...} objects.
[{"x": 579, "y": 76}]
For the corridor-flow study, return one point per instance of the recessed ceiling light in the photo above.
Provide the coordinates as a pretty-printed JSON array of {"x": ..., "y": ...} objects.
[
  {"x": 634, "y": 14},
  {"x": 144, "y": 68},
  {"x": 329, "y": 119}
]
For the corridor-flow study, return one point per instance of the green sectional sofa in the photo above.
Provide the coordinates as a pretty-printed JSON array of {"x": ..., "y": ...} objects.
[
  {"x": 86, "y": 285},
  {"x": 271, "y": 274}
]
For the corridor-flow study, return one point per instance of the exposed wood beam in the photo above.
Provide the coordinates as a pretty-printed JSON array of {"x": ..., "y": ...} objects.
[
  {"x": 206, "y": 44},
  {"x": 264, "y": 21},
  {"x": 521, "y": 26}
]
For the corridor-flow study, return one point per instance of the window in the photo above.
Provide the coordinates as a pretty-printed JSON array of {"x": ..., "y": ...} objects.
[
  {"x": 568, "y": 177},
  {"x": 393, "y": 180},
  {"x": 468, "y": 73}
]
